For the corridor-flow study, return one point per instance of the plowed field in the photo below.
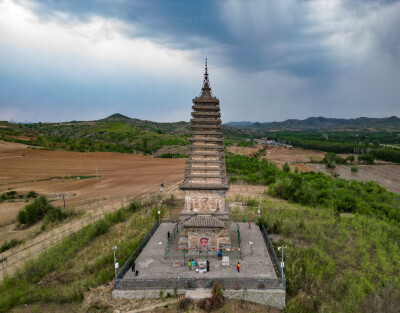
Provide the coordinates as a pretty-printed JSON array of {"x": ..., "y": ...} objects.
[{"x": 52, "y": 173}]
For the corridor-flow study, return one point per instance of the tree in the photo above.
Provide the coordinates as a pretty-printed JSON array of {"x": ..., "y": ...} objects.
[
  {"x": 350, "y": 158},
  {"x": 331, "y": 165},
  {"x": 286, "y": 168},
  {"x": 354, "y": 169},
  {"x": 366, "y": 158}
]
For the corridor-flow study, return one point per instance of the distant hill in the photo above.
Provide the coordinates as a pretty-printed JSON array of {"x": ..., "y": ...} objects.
[
  {"x": 161, "y": 128},
  {"x": 233, "y": 124},
  {"x": 322, "y": 123},
  {"x": 175, "y": 128}
]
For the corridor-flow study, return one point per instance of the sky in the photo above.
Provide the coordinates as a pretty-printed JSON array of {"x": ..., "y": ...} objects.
[{"x": 63, "y": 60}]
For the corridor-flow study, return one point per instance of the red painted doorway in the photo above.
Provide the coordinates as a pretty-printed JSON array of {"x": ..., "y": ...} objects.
[{"x": 203, "y": 244}]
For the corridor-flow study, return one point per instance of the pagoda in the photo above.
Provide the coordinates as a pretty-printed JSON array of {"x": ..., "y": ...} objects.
[{"x": 205, "y": 216}]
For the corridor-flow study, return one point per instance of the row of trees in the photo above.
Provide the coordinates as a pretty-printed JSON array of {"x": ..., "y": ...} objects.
[
  {"x": 316, "y": 189},
  {"x": 378, "y": 152}
]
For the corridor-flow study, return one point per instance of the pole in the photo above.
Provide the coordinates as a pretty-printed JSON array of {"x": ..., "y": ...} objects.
[
  {"x": 64, "y": 200},
  {"x": 115, "y": 262},
  {"x": 159, "y": 212},
  {"x": 2, "y": 263},
  {"x": 240, "y": 191},
  {"x": 282, "y": 263}
]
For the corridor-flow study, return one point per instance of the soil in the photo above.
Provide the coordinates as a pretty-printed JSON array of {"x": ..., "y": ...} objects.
[
  {"x": 387, "y": 176},
  {"x": 50, "y": 173},
  {"x": 280, "y": 155},
  {"x": 246, "y": 151}
]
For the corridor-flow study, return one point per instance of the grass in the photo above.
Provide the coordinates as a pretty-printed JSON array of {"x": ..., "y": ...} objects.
[
  {"x": 83, "y": 260},
  {"x": 335, "y": 264}
]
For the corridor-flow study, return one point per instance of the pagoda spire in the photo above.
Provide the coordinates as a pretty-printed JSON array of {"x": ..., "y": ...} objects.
[
  {"x": 206, "y": 74},
  {"x": 206, "y": 90}
]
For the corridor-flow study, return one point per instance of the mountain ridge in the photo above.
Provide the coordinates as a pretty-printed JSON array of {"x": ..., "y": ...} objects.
[{"x": 323, "y": 123}]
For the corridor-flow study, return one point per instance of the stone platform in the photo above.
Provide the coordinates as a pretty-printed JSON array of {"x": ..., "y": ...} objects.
[{"x": 257, "y": 280}]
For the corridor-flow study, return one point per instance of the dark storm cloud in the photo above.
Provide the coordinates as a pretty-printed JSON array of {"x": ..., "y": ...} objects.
[
  {"x": 250, "y": 36},
  {"x": 270, "y": 60},
  {"x": 247, "y": 35}
]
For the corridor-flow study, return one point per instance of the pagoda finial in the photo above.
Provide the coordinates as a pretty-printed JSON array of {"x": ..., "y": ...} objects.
[
  {"x": 206, "y": 90},
  {"x": 206, "y": 74}
]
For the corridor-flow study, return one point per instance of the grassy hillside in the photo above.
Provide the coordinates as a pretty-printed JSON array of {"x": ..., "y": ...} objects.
[
  {"x": 116, "y": 133},
  {"x": 333, "y": 262}
]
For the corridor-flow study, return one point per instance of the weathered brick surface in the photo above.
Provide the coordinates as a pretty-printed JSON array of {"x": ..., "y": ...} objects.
[{"x": 273, "y": 297}]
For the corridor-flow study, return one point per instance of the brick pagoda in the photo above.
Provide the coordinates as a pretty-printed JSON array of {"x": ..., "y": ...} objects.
[{"x": 205, "y": 216}]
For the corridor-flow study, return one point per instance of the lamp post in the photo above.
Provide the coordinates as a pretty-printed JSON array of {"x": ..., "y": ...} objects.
[
  {"x": 115, "y": 261},
  {"x": 282, "y": 263},
  {"x": 159, "y": 212}
]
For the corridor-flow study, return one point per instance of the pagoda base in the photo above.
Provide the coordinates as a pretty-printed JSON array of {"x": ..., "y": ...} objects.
[{"x": 204, "y": 232}]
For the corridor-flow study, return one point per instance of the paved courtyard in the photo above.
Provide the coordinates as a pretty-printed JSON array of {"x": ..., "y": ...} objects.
[{"x": 255, "y": 262}]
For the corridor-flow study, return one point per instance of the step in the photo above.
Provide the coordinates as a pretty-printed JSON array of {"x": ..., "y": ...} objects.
[{"x": 198, "y": 294}]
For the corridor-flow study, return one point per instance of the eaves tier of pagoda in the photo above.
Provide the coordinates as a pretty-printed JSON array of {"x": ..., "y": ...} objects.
[{"x": 206, "y": 166}]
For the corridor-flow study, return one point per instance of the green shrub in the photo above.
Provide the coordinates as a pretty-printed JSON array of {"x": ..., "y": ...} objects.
[
  {"x": 40, "y": 208},
  {"x": 317, "y": 189},
  {"x": 366, "y": 158},
  {"x": 251, "y": 201},
  {"x": 9, "y": 244},
  {"x": 31, "y": 194},
  {"x": 133, "y": 206},
  {"x": 286, "y": 167}
]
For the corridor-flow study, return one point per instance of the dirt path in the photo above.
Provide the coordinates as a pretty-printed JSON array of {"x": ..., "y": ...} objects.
[{"x": 152, "y": 307}]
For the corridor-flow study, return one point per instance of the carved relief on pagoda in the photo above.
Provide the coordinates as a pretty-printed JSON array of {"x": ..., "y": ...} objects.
[{"x": 205, "y": 201}]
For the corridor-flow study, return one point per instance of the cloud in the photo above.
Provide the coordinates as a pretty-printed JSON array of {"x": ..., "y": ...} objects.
[{"x": 269, "y": 60}]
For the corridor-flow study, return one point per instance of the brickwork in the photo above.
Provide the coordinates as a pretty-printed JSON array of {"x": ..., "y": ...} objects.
[
  {"x": 272, "y": 297},
  {"x": 205, "y": 181}
]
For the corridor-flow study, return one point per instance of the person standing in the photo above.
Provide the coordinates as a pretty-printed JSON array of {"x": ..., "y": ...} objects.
[
  {"x": 190, "y": 264},
  {"x": 238, "y": 266}
]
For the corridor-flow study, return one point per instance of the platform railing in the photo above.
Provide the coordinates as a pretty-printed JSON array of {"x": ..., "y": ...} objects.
[
  {"x": 135, "y": 253},
  {"x": 172, "y": 237},
  {"x": 273, "y": 255}
]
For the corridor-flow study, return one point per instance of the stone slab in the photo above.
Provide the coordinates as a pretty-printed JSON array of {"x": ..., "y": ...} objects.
[{"x": 255, "y": 261}]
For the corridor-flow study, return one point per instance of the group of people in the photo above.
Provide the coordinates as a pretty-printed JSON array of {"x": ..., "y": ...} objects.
[{"x": 192, "y": 264}]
